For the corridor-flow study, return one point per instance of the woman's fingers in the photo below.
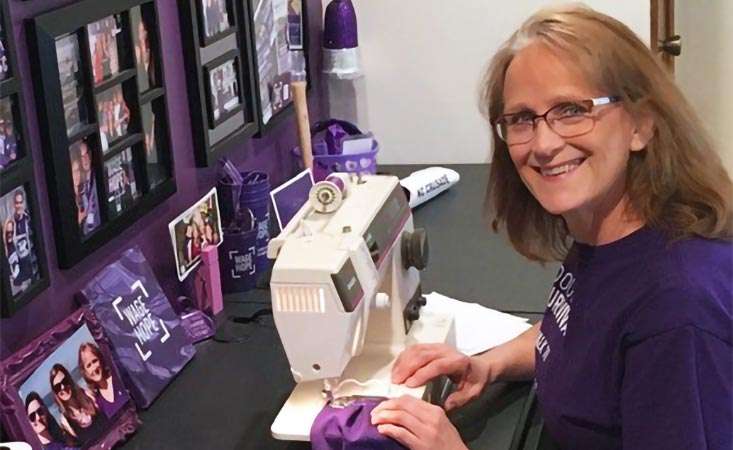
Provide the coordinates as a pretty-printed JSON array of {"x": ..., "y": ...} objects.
[
  {"x": 399, "y": 434},
  {"x": 414, "y": 358}
]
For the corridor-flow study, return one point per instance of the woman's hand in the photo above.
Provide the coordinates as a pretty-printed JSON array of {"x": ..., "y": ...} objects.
[
  {"x": 421, "y": 363},
  {"x": 416, "y": 424}
]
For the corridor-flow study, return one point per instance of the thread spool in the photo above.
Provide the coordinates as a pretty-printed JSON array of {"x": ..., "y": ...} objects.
[{"x": 327, "y": 196}]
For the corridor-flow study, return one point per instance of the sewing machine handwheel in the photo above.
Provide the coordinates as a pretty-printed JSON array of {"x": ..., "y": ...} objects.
[{"x": 415, "y": 249}]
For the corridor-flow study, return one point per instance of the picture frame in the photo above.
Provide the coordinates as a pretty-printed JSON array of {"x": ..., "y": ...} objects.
[
  {"x": 37, "y": 388},
  {"x": 215, "y": 135},
  {"x": 23, "y": 269},
  {"x": 222, "y": 88},
  {"x": 275, "y": 66},
  {"x": 215, "y": 19},
  {"x": 193, "y": 230},
  {"x": 92, "y": 103}
]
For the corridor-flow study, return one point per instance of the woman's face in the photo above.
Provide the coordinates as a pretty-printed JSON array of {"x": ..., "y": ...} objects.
[
  {"x": 91, "y": 365},
  {"x": 37, "y": 416},
  {"x": 61, "y": 386},
  {"x": 574, "y": 177}
]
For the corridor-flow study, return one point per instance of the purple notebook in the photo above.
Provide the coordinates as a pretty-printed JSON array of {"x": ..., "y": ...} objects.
[{"x": 149, "y": 344}]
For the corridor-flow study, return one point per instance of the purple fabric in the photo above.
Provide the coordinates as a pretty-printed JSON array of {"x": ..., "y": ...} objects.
[
  {"x": 635, "y": 347},
  {"x": 148, "y": 341},
  {"x": 349, "y": 428},
  {"x": 339, "y": 26}
]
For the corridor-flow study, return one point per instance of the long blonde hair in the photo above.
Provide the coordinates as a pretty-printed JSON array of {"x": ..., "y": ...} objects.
[{"x": 676, "y": 184}]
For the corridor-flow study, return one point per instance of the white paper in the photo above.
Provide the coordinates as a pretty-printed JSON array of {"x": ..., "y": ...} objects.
[{"x": 478, "y": 328}]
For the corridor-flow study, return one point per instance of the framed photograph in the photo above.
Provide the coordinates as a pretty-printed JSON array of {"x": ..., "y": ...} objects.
[
  {"x": 145, "y": 42},
  {"x": 278, "y": 43},
  {"x": 104, "y": 47},
  {"x": 215, "y": 20},
  {"x": 63, "y": 390},
  {"x": 198, "y": 227},
  {"x": 102, "y": 67},
  {"x": 23, "y": 261},
  {"x": 113, "y": 116},
  {"x": 222, "y": 89},
  {"x": 84, "y": 190},
  {"x": 10, "y": 140},
  {"x": 4, "y": 56},
  {"x": 219, "y": 79},
  {"x": 121, "y": 188},
  {"x": 71, "y": 79},
  {"x": 156, "y": 149}
]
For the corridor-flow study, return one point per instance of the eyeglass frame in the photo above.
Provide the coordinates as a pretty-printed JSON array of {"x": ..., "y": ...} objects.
[
  {"x": 56, "y": 387},
  {"x": 590, "y": 103}
]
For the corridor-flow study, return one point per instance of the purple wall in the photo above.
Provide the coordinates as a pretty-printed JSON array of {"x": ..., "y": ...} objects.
[{"x": 270, "y": 154}]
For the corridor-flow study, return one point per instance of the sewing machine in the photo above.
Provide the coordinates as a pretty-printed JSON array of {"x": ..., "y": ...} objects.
[{"x": 346, "y": 296}]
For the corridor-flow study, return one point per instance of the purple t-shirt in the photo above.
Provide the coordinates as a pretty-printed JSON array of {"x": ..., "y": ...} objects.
[{"x": 635, "y": 349}]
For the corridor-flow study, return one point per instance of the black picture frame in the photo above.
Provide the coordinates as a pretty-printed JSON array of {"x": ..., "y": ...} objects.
[
  {"x": 82, "y": 220},
  {"x": 202, "y": 16},
  {"x": 212, "y": 105},
  {"x": 269, "y": 115},
  {"x": 214, "y": 138},
  {"x": 16, "y": 176}
]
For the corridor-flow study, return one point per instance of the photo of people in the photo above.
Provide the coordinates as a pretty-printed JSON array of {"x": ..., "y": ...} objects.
[
  {"x": 113, "y": 116},
  {"x": 71, "y": 80},
  {"x": 194, "y": 230},
  {"x": 215, "y": 17},
  {"x": 18, "y": 241},
  {"x": 143, "y": 52},
  {"x": 120, "y": 183},
  {"x": 8, "y": 137},
  {"x": 85, "y": 188},
  {"x": 103, "y": 46},
  {"x": 4, "y": 63},
  {"x": 224, "y": 89},
  {"x": 72, "y": 397},
  {"x": 154, "y": 160}
]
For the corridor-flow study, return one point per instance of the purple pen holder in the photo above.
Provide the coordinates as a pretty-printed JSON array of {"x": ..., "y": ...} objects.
[
  {"x": 237, "y": 261},
  {"x": 364, "y": 163}
]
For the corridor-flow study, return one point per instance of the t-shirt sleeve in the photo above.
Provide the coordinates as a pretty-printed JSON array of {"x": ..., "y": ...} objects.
[{"x": 677, "y": 392}]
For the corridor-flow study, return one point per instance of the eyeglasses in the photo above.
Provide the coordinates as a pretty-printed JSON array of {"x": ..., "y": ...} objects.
[
  {"x": 567, "y": 119},
  {"x": 61, "y": 385},
  {"x": 35, "y": 415}
]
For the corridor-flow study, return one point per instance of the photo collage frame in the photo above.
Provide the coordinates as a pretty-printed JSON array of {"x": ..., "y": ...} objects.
[
  {"x": 109, "y": 160},
  {"x": 23, "y": 270},
  {"x": 279, "y": 43},
  {"x": 219, "y": 77}
]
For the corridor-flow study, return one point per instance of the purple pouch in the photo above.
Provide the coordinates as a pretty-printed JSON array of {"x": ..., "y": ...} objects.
[
  {"x": 148, "y": 340},
  {"x": 350, "y": 428}
]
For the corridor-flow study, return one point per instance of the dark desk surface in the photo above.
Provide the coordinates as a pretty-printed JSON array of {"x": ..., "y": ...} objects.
[{"x": 228, "y": 396}]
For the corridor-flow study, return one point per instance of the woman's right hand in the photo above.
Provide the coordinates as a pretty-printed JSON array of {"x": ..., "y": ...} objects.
[{"x": 421, "y": 363}]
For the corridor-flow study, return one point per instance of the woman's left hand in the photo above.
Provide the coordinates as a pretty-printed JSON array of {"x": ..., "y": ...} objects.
[{"x": 416, "y": 424}]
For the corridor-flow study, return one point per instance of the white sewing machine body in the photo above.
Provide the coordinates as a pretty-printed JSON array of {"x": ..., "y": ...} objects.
[{"x": 341, "y": 284}]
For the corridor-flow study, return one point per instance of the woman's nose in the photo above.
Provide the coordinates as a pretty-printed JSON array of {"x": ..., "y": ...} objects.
[{"x": 546, "y": 142}]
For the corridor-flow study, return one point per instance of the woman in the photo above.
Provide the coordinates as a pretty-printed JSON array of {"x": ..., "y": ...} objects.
[
  {"x": 51, "y": 436},
  {"x": 10, "y": 251},
  {"x": 99, "y": 379},
  {"x": 80, "y": 414},
  {"x": 600, "y": 162}
]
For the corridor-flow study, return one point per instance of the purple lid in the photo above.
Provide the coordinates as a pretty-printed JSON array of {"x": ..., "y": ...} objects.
[{"x": 339, "y": 29}]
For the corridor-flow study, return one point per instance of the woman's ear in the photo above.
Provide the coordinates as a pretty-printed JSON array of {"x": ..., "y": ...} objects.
[{"x": 644, "y": 130}]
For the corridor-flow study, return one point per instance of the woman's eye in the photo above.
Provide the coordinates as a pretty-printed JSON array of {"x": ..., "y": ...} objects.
[
  {"x": 571, "y": 109},
  {"x": 520, "y": 119}
]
